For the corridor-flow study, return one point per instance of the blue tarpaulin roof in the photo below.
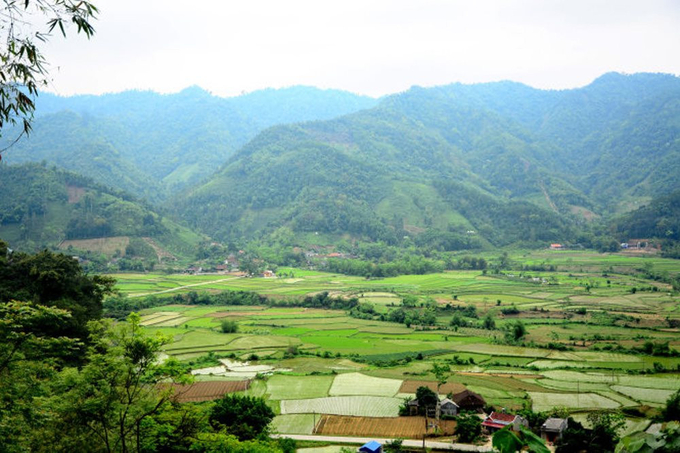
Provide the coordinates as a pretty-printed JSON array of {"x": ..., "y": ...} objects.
[{"x": 371, "y": 447}]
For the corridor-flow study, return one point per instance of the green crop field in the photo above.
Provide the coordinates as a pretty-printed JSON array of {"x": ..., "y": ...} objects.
[
  {"x": 363, "y": 406},
  {"x": 583, "y": 325},
  {"x": 646, "y": 395},
  {"x": 548, "y": 401},
  {"x": 282, "y": 387},
  {"x": 294, "y": 423},
  {"x": 360, "y": 384}
]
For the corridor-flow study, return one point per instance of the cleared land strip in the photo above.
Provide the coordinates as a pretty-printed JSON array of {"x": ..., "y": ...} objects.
[{"x": 183, "y": 287}]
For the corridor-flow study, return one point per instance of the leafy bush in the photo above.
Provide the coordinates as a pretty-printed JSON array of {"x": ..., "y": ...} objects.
[{"x": 229, "y": 326}]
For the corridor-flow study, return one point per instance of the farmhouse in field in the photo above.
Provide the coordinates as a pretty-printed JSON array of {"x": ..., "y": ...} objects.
[
  {"x": 552, "y": 429},
  {"x": 371, "y": 447},
  {"x": 641, "y": 244},
  {"x": 499, "y": 420},
  {"x": 469, "y": 401}
]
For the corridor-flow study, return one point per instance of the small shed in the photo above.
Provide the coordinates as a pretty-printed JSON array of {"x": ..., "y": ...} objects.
[
  {"x": 371, "y": 447},
  {"x": 552, "y": 429},
  {"x": 413, "y": 407},
  {"x": 448, "y": 407}
]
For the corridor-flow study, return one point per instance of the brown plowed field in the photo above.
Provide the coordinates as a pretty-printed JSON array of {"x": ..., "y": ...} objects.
[
  {"x": 449, "y": 387},
  {"x": 207, "y": 390},
  {"x": 404, "y": 427}
]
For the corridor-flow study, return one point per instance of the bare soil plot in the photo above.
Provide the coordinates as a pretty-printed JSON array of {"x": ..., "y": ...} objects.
[
  {"x": 449, "y": 387},
  {"x": 391, "y": 427},
  {"x": 207, "y": 390},
  {"x": 74, "y": 193}
]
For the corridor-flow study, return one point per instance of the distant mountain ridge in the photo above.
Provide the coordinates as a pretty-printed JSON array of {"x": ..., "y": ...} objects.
[
  {"x": 164, "y": 143},
  {"x": 512, "y": 163},
  {"x": 444, "y": 168}
]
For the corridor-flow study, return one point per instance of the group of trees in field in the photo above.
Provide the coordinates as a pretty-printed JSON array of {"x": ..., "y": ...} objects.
[
  {"x": 119, "y": 306},
  {"x": 413, "y": 265}
]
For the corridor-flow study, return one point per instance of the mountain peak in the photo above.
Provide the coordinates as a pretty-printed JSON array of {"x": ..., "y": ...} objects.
[{"x": 194, "y": 91}]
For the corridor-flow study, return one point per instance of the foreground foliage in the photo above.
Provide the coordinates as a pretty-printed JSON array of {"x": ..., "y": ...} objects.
[
  {"x": 24, "y": 67},
  {"x": 56, "y": 280},
  {"x": 508, "y": 441},
  {"x": 245, "y": 417}
]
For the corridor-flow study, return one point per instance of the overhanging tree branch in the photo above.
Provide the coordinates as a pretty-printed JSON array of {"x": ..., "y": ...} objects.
[{"x": 23, "y": 67}]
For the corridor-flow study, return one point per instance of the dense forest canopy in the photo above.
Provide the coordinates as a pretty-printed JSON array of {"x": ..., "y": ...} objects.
[
  {"x": 509, "y": 163},
  {"x": 154, "y": 145},
  {"x": 456, "y": 167}
]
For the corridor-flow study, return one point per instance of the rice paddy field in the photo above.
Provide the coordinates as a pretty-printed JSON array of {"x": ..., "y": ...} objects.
[{"x": 583, "y": 322}]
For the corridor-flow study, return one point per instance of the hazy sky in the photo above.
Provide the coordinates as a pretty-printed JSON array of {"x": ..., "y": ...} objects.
[{"x": 371, "y": 47}]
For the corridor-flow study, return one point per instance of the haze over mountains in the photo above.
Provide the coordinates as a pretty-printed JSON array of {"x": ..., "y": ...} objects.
[
  {"x": 451, "y": 167},
  {"x": 154, "y": 145}
]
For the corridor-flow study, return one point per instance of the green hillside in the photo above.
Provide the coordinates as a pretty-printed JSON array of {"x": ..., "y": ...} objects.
[
  {"x": 659, "y": 221},
  {"x": 448, "y": 168},
  {"x": 482, "y": 164},
  {"x": 48, "y": 207},
  {"x": 154, "y": 145}
]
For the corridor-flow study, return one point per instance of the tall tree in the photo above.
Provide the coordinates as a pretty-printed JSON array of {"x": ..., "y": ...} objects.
[
  {"x": 54, "y": 280},
  {"x": 441, "y": 373},
  {"x": 28, "y": 360},
  {"x": 103, "y": 405},
  {"x": 246, "y": 417},
  {"x": 672, "y": 409}
]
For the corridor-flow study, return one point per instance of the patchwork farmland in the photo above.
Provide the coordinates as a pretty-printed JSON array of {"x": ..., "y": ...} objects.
[{"x": 584, "y": 348}]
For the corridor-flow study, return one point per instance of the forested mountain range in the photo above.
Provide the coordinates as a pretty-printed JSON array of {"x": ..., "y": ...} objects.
[
  {"x": 154, "y": 145},
  {"x": 508, "y": 162},
  {"x": 444, "y": 168}
]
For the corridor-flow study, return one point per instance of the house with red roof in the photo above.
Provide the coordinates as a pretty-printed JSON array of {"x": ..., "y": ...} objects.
[{"x": 499, "y": 420}]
